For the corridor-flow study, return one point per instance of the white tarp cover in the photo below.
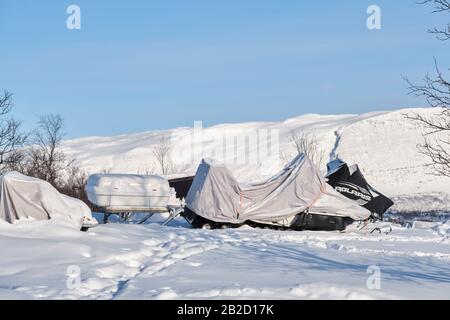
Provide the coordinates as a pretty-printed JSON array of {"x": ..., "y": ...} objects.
[
  {"x": 128, "y": 192},
  {"x": 216, "y": 195},
  {"x": 25, "y": 197}
]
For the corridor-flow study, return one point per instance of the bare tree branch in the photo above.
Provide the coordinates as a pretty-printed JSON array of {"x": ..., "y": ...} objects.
[
  {"x": 439, "y": 155},
  {"x": 439, "y": 6},
  {"x": 432, "y": 125},
  {"x": 6, "y": 103},
  {"x": 10, "y": 136},
  {"x": 436, "y": 90},
  {"x": 441, "y": 34}
]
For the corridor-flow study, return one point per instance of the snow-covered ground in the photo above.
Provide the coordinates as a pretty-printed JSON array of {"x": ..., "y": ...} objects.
[{"x": 118, "y": 261}]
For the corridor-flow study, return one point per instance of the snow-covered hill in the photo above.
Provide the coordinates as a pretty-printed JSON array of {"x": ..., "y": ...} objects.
[{"x": 384, "y": 144}]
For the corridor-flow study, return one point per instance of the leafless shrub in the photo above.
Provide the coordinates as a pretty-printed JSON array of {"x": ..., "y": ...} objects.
[
  {"x": 147, "y": 169},
  {"x": 106, "y": 170},
  {"x": 306, "y": 143},
  {"x": 75, "y": 182}
]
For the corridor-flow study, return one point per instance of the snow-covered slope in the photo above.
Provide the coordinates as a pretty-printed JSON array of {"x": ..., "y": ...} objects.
[{"x": 384, "y": 144}]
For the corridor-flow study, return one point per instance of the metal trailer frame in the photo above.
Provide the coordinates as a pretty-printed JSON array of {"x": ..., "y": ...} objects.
[{"x": 126, "y": 215}]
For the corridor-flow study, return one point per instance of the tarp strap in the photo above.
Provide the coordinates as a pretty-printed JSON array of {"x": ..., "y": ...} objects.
[
  {"x": 240, "y": 204},
  {"x": 321, "y": 193}
]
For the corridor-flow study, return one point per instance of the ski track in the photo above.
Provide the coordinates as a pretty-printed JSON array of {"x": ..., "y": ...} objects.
[
  {"x": 334, "y": 152},
  {"x": 148, "y": 260},
  {"x": 182, "y": 253}
]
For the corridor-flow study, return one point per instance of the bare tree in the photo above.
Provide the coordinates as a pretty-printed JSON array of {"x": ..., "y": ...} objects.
[
  {"x": 10, "y": 136},
  {"x": 436, "y": 90},
  {"x": 45, "y": 159},
  {"x": 162, "y": 154},
  {"x": 308, "y": 144}
]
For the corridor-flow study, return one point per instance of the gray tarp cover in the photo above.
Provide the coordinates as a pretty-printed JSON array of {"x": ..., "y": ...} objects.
[
  {"x": 26, "y": 197},
  {"x": 216, "y": 195}
]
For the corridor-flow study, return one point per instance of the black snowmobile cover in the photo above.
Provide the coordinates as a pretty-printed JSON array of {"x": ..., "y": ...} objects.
[{"x": 350, "y": 182}]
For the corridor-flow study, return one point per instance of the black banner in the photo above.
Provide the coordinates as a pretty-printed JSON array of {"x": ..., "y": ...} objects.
[{"x": 265, "y": 309}]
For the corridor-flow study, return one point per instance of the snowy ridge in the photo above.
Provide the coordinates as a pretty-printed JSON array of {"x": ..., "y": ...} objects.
[{"x": 384, "y": 144}]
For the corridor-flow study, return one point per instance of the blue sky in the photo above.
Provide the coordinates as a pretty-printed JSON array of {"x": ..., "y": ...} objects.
[{"x": 145, "y": 65}]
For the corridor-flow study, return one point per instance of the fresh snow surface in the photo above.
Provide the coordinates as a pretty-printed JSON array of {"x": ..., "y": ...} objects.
[
  {"x": 384, "y": 144},
  {"x": 126, "y": 261}
]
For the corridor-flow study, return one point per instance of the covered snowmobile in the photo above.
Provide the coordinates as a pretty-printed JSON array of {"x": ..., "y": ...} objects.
[
  {"x": 23, "y": 197},
  {"x": 350, "y": 182},
  {"x": 297, "y": 198}
]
